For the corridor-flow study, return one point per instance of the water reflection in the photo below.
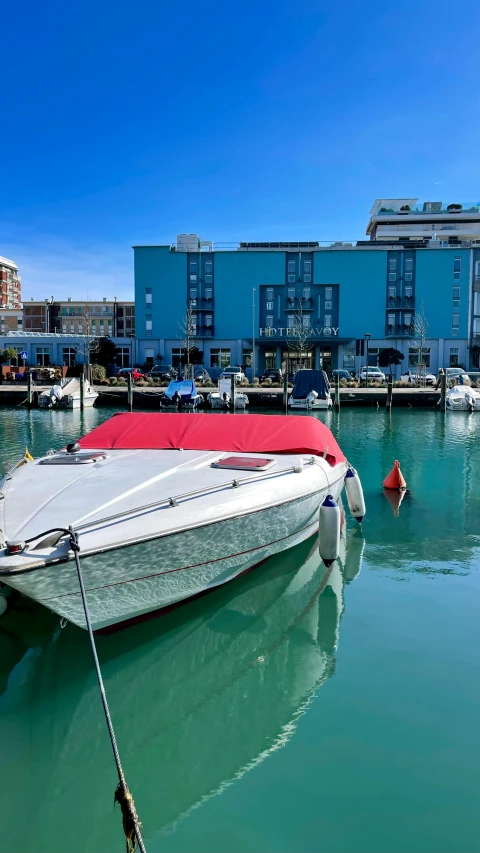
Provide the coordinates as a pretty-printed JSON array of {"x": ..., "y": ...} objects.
[{"x": 198, "y": 697}]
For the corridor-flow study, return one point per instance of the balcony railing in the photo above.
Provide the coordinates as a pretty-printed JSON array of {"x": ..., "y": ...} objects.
[
  {"x": 399, "y": 331},
  {"x": 400, "y": 302},
  {"x": 298, "y": 305},
  {"x": 201, "y": 304}
]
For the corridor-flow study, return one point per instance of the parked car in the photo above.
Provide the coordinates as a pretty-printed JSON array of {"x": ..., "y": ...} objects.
[
  {"x": 136, "y": 374},
  {"x": 416, "y": 377},
  {"x": 342, "y": 374},
  {"x": 374, "y": 374},
  {"x": 453, "y": 373},
  {"x": 273, "y": 373},
  {"x": 156, "y": 372},
  {"x": 202, "y": 376},
  {"x": 235, "y": 370}
]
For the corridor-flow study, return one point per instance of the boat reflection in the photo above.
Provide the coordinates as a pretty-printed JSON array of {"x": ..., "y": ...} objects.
[{"x": 198, "y": 697}]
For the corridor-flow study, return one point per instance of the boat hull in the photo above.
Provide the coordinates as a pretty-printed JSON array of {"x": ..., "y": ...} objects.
[
  {"x": 126, "y": 584},
  {"x": 304, "y": 404}
]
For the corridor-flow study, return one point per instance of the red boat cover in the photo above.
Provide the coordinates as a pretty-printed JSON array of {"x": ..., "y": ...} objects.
[{"x": 237, "y": 434}]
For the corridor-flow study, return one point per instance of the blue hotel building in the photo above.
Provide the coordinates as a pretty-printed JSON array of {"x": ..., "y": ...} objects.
[{"x": 418, "y": 261}]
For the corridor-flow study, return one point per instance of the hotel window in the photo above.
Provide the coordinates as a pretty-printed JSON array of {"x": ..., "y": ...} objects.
[
  {"x": 176, "y": 356},
  {"x": 208, "y": 321},
  {"x": 408, "y": 291},
  {"x": 80, "y": 329},
  {"x": 328, "y": 320},
  {"x": 291, "y": 294},
  {"x": 476, "y": 327},
  {"x": 109, "y": 329},
  {"x": 476, "y": 302},
  {"x": 193, "y": 295},
  {"x": 306, "y": 293},
  {"x": 392, "y": 264},
  {"x": 391, "y": 319},
  {"x": 306, "y": 321},
  {"x": 270, "y": 306},
  {"x": 64, "y": 328},
  {"x": 291, "y": 278},
  {"x": 328, "y": 306},
  {"x": 148, "y": 296},
  {"x": 349, "y": 356},
  {"x": 408, "y": 276},
  {"x": 219, "y": 357},
  {"x": 208, "y": 293},
  {"x": 72, "y": 328},
  {"x": 455, "y": 324},
  {"x": 43, "y": 356},
  {"x": 69, "y": 354},
  {"x": 328, "y": 293},
  {"x": 413, "y": 355},
  {"x": 307, "y": 266},
  {"x": 123, "y": 357},
  {"x": 457, "y": 265},
  {"x": 456, "y": 297},
  {"x": 291, "y": 266},
  {"x": 193, "y": 278},
  {"x": 392, "y": 276},
  {"x": 453, "y": 356},
  {"x": 269, "y": 321},
  {"x": 208, "y": 278},
  {"x": 408, "y": 264},
  {"x": 193, "y": 267},
  {"x": 307, "y": 277},
  {"x": 392, "y": 292},
  {"x": 194, "y": 323},
  {"x": 208, "y": 267},
  {"x": 148, "y": 324},
  {"x": 290, "y": 321},
  {"x": 269, "y": 294},
  {"x": 477, "y": 270},
  {"x": 407, "y": 319}
]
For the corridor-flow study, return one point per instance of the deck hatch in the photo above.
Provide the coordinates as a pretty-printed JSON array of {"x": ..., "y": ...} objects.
[
  {"x": 73, "y": 459},
  {"x": 245, "y": 463}
]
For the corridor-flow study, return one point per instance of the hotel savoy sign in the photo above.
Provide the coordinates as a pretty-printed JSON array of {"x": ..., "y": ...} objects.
[{"x": 314, "y": 332}]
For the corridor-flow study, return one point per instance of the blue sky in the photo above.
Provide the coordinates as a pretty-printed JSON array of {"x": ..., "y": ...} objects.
[{"x": 130, "y": 122}]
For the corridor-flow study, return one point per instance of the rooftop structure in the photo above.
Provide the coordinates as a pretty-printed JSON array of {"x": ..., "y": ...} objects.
[{"x": 403, "y": 219}]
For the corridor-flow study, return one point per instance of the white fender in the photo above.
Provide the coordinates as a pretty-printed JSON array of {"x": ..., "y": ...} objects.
[
  {"x": 356, "y": 501},
  {"x": 329, "y": 531}
]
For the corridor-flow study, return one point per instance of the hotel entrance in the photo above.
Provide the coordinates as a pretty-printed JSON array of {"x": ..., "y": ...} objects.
[{"x": 295, "y": 360}]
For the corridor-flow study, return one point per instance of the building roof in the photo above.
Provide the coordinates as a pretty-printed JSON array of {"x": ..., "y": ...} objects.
[{"x": 7, "y": 263}]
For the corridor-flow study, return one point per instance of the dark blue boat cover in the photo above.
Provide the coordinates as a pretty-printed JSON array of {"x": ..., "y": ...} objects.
[{"x": 310, "y": 380}]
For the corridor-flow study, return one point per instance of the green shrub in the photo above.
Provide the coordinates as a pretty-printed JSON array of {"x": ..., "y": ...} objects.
[
  {"x": 121, "y": 381},
  {"x": 114, "y": 380},
  {"x": 98, "y": 372}
]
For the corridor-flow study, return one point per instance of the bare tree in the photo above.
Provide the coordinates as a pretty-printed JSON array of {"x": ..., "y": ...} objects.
[
  {"x": 87, "y": 342},
  {"x": 299, "y": 335},
  {"x": 418, "y": 343},
  {"x": 188, "y": 333}
]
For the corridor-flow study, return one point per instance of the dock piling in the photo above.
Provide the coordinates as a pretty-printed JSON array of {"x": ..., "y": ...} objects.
[
  {"x": 82, "y": 390},
  {"x": 337, "y": 392},
  {"x": 29, "y": 390},
  {"x": 389, "y": 392},
  {"x": 443, "y": 391},
  {"x": 232, "y": 393},
  {"x": 129, "y": 392},
  {"x": 285, "y": 390}
]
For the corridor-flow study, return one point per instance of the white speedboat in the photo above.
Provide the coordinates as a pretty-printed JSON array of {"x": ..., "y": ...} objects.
[
  {"x": 165, "y": 507},
  {"x": 463, "y": 398},
  {"x": 222, "y": 398},
  {"x": 181, "y": 394},
  {"x": 311, "y": 390},
  {"x": 66, "y": 395}
]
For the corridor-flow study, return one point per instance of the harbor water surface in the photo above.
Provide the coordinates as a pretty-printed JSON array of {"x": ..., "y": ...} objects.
[{"x": 291, "y": 710}]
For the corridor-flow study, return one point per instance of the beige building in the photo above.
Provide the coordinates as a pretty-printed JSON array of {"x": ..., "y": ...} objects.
[
  {"x": 72, "y": 317},
  {"x": 11, "y": 320},
  {"x": 10, "y": 285}
]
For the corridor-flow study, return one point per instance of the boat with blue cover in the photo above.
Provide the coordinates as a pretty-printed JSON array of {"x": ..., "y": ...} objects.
[
  {"x": 181, "y": 394},
  {"x": 311, "y": 390}
]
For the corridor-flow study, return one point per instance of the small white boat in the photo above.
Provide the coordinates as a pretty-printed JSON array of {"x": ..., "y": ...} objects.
[
  {"x": 310, "y": 391},
  {"x": 66, "y": 395},
  {"x": 165, "y": 507},
  {"x": 181, "y": 394},
  {"x": 463, "y": 398},
  {"x": 222, "y": 398}
]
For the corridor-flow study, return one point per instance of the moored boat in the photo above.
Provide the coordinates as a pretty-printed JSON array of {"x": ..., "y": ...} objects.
[
  {"x": 181, "y": 394},
  {"x": 67, "y": 395},
  {"x": 311, "y": 390},
  {"x": 222, "y": 398},
  {"x": 165, "y": 507},
  {"x": 463, "y": 398}
]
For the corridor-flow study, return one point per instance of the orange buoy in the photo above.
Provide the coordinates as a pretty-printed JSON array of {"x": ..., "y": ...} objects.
[{"x": 395, "y": 480}]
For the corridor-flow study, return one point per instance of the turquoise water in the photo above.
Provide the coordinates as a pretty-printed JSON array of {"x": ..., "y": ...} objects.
[{"x": 291, "y": 710}]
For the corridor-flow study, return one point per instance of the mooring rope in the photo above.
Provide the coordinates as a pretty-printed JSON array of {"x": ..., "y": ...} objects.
[{"x": 130, "y": 821}]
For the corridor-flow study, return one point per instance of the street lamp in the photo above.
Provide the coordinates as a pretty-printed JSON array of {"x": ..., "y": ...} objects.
[
  {"x": 253, "y": 333},
  {"x": 367, "y": 337}
]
